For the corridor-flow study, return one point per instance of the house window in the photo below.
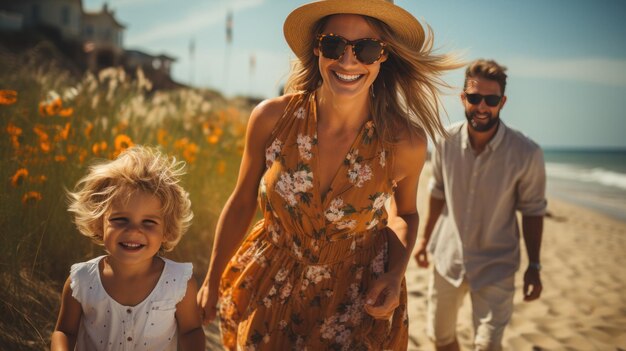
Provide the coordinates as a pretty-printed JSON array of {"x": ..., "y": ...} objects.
[{"x": 65, "y": 15}]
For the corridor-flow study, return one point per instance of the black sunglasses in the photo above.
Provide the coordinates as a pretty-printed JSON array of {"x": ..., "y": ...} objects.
[
  {"x": 366, "y": 50},
  {"x": 490, "y": 100}
]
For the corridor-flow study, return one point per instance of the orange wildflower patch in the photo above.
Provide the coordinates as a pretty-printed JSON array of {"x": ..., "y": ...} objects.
[
  {"x": 8, "y": 97},
  {"x": 190, "y": 152},
  {"x": 82, "y": 155},
  {"x": 18, "y": 178},
  {"x": 31, "y": 197},
  {"x": 99, "y": 148},
  {"x": 162, "y": 137}
]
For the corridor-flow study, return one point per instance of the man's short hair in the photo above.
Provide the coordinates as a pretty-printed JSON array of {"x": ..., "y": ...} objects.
[{"x": 486, "y": 69}]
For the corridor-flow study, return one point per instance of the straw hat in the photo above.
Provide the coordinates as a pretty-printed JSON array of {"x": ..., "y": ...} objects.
[{"x": 300, "y": 22}]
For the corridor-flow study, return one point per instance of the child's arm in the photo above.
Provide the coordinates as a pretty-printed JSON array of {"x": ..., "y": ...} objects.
[
  {"x": 66, "y": 330},
  {"x": 191, "y": 334}
]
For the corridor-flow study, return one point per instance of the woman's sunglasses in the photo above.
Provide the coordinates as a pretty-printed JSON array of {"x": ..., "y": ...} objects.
[
  {"x": 490, "y": 100},
  {"x": 366, "y": 50}
]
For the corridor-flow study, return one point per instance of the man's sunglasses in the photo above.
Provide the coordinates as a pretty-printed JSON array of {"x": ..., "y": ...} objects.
[
  {"x": 366, "y": 50},
  {"x": 490, "y": 100}
]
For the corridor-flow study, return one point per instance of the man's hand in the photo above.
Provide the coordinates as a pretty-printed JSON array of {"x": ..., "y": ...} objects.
[
  {"x": 532, "y": 284},
  {"x": 420, "y": 254}
]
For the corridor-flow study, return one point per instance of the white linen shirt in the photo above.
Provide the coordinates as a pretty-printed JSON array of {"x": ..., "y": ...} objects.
[
  {"x": 477, "y": 235},
  {"x": 108, "y": 325}
]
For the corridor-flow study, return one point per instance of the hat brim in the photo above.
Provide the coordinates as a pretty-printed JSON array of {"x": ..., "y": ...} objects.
[{"x": 299, "y": 23}]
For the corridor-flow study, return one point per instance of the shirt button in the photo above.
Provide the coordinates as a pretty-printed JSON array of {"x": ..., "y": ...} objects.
[
  {"x": 129, "y": 339},
  {"x": 129, "y": 311}
]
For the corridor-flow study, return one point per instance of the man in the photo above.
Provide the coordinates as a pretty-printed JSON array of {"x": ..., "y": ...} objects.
[{"x": 482, "y": 174}]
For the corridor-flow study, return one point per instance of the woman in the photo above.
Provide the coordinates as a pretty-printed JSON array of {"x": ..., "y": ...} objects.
[{"x": 324, "y": 268}]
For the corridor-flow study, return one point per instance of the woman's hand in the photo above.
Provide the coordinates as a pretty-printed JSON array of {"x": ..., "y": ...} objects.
[
  {"x": 207, "y": 301},
  {"x": 383, "y": 296}
]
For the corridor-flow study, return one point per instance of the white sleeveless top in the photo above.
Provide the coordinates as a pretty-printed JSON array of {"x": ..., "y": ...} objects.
[{"x": 108, "y": 325}]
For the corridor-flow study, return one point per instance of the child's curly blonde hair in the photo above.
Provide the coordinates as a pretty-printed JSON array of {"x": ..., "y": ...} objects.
[{"x": 138, "y": 168}]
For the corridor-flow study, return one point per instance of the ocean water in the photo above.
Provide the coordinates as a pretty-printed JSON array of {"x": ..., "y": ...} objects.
[{"x": 592, "y": 178}]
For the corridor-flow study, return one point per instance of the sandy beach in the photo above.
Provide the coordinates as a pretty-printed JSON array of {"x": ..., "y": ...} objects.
[{"x": 583, "y": 304}]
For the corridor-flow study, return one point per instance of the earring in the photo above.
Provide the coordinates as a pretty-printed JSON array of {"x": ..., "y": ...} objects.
[{"x": 372, "y": 91}]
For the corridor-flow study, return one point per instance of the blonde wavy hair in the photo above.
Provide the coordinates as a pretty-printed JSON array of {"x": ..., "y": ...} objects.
[
  {"x": 406, "y": 91},
  {"x": 138, "y": 168}
]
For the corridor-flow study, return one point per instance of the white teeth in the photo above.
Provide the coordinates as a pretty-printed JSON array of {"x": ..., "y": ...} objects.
[
  {"x": 348, "y": 77},
  {"x": 131, "y": 245}
]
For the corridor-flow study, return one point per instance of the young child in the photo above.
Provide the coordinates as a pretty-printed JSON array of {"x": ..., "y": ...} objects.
[{"x": 131, "y": 298}]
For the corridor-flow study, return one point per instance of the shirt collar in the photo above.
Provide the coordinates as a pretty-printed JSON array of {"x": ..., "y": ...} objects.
[{"x": 492, "y": 144}]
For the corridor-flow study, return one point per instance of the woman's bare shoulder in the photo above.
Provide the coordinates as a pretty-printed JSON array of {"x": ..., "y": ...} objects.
[
  {"x": 269, "y": 111},
  {"x": 411, "y": 140},
  {"x": 410, "y": 152},
  {"x": 265, "y": 117}
]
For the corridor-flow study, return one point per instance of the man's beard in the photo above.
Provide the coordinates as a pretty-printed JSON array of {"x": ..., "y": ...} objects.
[{"x": 482, "y": 127}]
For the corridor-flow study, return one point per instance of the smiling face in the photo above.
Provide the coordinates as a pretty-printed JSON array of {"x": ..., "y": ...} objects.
[
  {"x": 347, "y": 76},
  {"x": 481, "y": 117},
  {"x": 133, "y": 228}
]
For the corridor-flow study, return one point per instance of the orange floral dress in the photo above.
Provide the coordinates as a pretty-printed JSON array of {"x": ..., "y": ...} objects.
[{"x": 298, "y": 281}]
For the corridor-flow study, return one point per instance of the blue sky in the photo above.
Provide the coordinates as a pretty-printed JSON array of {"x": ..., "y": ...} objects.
[{"x": 566, "y": 58}]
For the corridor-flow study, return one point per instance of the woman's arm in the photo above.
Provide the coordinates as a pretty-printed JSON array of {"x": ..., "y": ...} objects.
[
  {"x": 66, "y": 329},
  {"x": 240, "y": 208},
  {"x": 189, "y": 321},
  {"x": 384, "y": 295}
]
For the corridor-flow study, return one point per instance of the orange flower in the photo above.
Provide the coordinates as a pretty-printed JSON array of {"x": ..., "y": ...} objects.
[
  {"x": 99, "y": 148},
  {"x": 122, "y": 142},
  {"x": 162, "y": 137},
  {"x": 54, "y": 107},
  {"x": 13, "y": 130},
  {"x": 180, "y": 144},
  {"x": 64, "y": 133},
  {"x": 45, "y": 146},
  {"x": 18, "y": 178},
  {"x": 88, "y": 129},
  {"x": 190, "y": 152},
  {"x": 39, "y": 130},
  {"x": 66, "y": 112},
  {"x": 8, "y": 97},
  {"x": 31, "y": 197},
  {"x": 213, "y": 139},
  {"x": 15, "y": 133},
  {"x": 60, "y": 158},
  {"x": 82, "y": 156}
]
